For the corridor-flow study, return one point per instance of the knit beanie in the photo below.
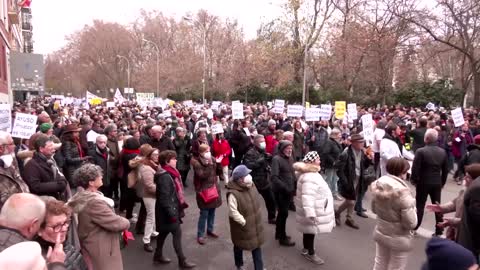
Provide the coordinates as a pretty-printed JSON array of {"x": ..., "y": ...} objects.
[
  {"x": 443, "y": 254},
  {"x": 45, "y": 127}
]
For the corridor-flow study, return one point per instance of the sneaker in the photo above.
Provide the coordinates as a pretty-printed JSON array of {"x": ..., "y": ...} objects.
[
  {"x": 304, "y": 251},
  {"x": 351, "y": 223},
  {"x": 154, "y": 235},
  {"x": 148, "y": 247},
  {"x": 315, "y": 259}
]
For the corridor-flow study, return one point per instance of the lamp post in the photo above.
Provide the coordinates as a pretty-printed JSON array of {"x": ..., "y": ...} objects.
[
  {"x": 204, "y": 55},
  {"x": 158, "y": 63},
  {"x": 304, "y": 92},
  {"x": 128, "y": 68}
]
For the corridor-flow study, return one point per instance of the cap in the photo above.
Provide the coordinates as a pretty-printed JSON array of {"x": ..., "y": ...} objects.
[
  {"x": 240, "y": 172},
  {"x": 311, "y": 156}
]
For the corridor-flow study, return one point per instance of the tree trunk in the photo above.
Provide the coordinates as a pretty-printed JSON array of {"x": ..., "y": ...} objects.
[{"x": 476, "y": 87}]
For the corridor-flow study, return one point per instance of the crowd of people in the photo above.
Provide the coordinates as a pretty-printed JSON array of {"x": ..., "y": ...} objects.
[{"x": 68, "y": 194}]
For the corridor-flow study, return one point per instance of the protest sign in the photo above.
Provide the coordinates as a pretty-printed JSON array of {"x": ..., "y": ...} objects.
[
  {"x": 457, "y": 116},
  {"x": 118, "y": 97},
  {"x": 188, "y": 103},
  {"x": 340, "y": 107},
  {"x": 237, "y": 110},
  {"x": 279, "y": 106},
  {"x": 25, "y": 125},
  {"x": 367, "y": 124},
  {"x": 216, "y": 105},
  {"x": 352, "y": 111},
  {"x": 430, "y": 106},
  {"x": 312, "y": 114},
  {"x": 5, "y": 117},
  {"x": 217, "y": 128},
  {"x": 325, "y": 112},
  {"x": 145, "y": 99},
  {"x": 110, "y": 104},
  {"x": 294, "y": 110}
]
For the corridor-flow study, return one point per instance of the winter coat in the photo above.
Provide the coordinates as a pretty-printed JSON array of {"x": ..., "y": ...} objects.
[
  {"x": 44, "y": 178},
  {"x": 114, "y": 155},
  {"x": 471, "y": 157},
  {"x": 394, "y": 205},
  {"x": 222, "y": 149},
  {"x": 99, "y": 229},
  {"x": 10, "y": 182},
  {"x": 73, "y": 160},
  {"x": 248, "y": 236},
  {"x": 345, "y": 167},
  {"x": 298, "y": 143},
  {"x": 167, "y": 207},
  {"x": 430, "y": 166},
  {"x": 321, "y": 137},
  {"x": 196, "y": 145},
  {"x": 314, "y": 200},
  {"x": 10, "y": 237},
  {"x": 182, "y": 148},
  {"x": 164, "y": 143},
  {"x": 388, "y": 149},
  {"x": 205, "y": 177},
  {"x": 145, "y": 182},
  {"x": 469, "y": 234},
  {"x": 240, "y": 142},
  {"x": 418, "y": 135},
  {"x": 283, "y": 175},
  {"x": 104, "y": 161},
  {"x": 270, "y": 142},
  {"x": 460, "y": 144},
  {"x": 257, "y": 160},
  {"x": 330, "y": 154}
]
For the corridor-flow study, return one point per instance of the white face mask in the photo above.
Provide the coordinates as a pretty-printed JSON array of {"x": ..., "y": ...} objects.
[
  {"x": 207, "y": 155},
  {"x": 263, "y": 145},
  {"x": 248, "y": 180},
  {"x": 7, "y": 160}
]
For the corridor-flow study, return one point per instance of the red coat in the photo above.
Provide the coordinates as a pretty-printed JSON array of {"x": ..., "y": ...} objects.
[{"x": 222, "y": 149}]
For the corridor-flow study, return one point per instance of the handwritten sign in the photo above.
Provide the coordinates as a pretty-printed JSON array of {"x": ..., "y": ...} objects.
[
  {"x": 5, "y": 117},
  {"x": 312, "y": 114},
  {"x": 294, "y": 110},
  {"x": 367, "y": 124},
  {"x": 457, "y": 116},
  {"x": 340, "y": 108},
  {"x": 352, "y": 111},
  {"x": 279, "y": 106},
  {"x": 24, "y": 126},
  {"x": 325, "y": 112},
  {"x": 237, "y": 110},
  {"x": 217, "y": 128}
]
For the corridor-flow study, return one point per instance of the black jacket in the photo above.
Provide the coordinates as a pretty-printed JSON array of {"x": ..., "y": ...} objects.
[
  {"x": 42, "y": 179},
  {"x": 73, "y": 160},
  {"x": 167, "y": 207},
  {"x": 430, "y": 166},
  {"x": 99, "y": 159},
  {"x": 165, "y": 143},
  {"x": 182, "y": 147},
  {"x": 330, "y": 154},
  {"x": 257, "y": 161},
  {"x": 471, "y": 157},
  {"x": 469, "y": 233},
  {"x": 418, "y": 135},
  {"x": 283, "y": 175},
  {"x": 345, "y": 167},
  {"x": 240, "y": 142}
]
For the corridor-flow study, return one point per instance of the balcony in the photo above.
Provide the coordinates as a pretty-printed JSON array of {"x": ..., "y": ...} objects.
[{"x": 13, "y": 17}]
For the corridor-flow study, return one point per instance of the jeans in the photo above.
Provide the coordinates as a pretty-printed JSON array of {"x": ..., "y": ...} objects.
[
  {"x": 387, "y": 259},
  {"x": 177, "y": 244},
  {"x": 256, "y": 254},
  {"x": 267, "y": 195},
  {"x": 435, "y": 192},
  {"x": 359, "y": 203},
  {"x": 308, "y": 243},
  {"x": 283, "y": 201},
  {"x": 206, "y": 216},
  {"x": 331, "y": 179},
  {"x": 225, "y": 174},
  {"x": 150, "y": 219}
]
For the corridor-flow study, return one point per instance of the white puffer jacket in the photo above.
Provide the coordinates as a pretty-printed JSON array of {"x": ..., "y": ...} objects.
[
  {"x": 394, "y": 205},
  {"x": 313, "y": 199}
]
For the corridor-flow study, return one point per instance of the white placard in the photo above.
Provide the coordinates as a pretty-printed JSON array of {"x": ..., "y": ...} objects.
[
  {"x": 235, "y": 101},
  {"x": 110, "y": 104},
  {"x": 217, "y": 128},
  {"x": 209, "y": 114},
  {"x": 325, "y": 112},
  {"x": 457, "y": 116},
  {"x": 269, "y": 104},
  {"x": 430, "y": 106},
  {"x": 312, "y": 114},
  {"x": 367, "y": 124},
  {"x": 294, "y": 110},
  {"x": 188, "y": 103},
  {"x": 247, "y": 132},
  {"x": 145, "y": 99},
  {"x": 216, "y": 105},
  {"x": 5, "y": 117},
  {"x": 24, "y": 126},
  {"x": 237, "y": 110},
  {"x": 352, "y": 111},
  {"x": 279, "y": 106}
]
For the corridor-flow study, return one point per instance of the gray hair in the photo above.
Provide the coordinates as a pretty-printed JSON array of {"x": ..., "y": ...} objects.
[
  {"x": 20, "y": 209},
  {"x": 4, "y": 137},
  {"x": 381, "y": 124},
  {"x": 431, "y": 136},
  {"x": 287, "y": 134},
  {"x": 87, "y": 173},
  {"x": 100, "y": 137},
  {"x": 335, "y": 132},
  {"x": 258, "y": 137},
  {"x": 179, "y": 129},
  {"x": 109, "y": 128}
]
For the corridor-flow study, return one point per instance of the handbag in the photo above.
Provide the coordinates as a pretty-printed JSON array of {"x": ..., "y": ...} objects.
[{"x": 209, "y": 195}]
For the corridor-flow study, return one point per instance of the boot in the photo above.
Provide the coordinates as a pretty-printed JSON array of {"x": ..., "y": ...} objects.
[
  {"x": 158, "y": 258},
  {"x": 186, "y": 265},
  {"x": 286, "y": 242},
  {"x": 351, "y": 223}
]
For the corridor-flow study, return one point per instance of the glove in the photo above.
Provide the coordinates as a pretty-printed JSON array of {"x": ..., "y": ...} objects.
[{"x": 172, "y": 219}]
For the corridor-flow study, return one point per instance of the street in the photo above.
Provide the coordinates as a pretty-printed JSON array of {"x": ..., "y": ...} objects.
[{"x": 344, "y": 248}]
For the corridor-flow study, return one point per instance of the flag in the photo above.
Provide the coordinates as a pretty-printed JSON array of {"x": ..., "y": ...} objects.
[{"x": 118, "y": 97}]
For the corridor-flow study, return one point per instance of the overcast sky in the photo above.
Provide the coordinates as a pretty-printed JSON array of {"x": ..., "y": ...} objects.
[{"x": 55, "y": 19}]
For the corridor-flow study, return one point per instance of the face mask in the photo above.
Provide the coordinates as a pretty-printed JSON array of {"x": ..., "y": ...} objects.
[
  {"x": 263, "y": 145},
  {"x": 7, "y": 160},
  {"x": 207, "y": 155},
  {"x": 248, "y": 180}
]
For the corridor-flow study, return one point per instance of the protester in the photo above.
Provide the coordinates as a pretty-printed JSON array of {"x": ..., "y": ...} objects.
[
  {"x": 315, "y": 206},
  {"x": 99, "y": 227},
  {"x": 208, "y": 191},
  {"x": 182, "y": 145},
  {"x": 418, "y": 134},
  {"x": 130, "y": 150},
  {"x": 394, "y": 205},
  {"x": 378, "y": 135},
  {"x": 72, "y": 151},
  {"x": 332, "y": 151},
  {"x": 461, "y": 139},
  {"x": 245, "y": 217},
  {"x": 390, "y": 146},
  {"x": 101, "y": 156},
  {"x": 317, "y": 137},
  {"x": 221, "y": 151},
  {"x": 114, "y": 150}
]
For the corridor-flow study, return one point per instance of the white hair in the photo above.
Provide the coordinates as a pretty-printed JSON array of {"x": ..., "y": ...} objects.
[
  {"x": 4, "y": 137},
  {"x": 157, "y": 128},
  {"x": 431, "y": 136},
  {"x": 21, "y": 209},
  {"x": 101, "y": 137},
  {"x": 288, "y": 134}
]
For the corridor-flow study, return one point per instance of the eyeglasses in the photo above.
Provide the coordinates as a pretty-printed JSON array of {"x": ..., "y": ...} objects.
[{"x": 58, "y": 228}]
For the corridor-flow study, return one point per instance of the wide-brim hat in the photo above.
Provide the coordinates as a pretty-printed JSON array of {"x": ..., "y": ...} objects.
[
  {"x": 71, "y": 128},
  {"x": 357, "y": 138}
]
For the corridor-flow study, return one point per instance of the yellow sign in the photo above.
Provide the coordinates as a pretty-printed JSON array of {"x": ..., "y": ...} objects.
[
  {"x": 307, "y": 104},
  {"x": 95, "y": 101},
  {"x": 340, "y": 108}
]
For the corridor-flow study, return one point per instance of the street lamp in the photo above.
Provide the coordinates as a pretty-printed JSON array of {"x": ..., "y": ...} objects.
[
  {"x": 128, "y": 68},
  {"x": 305, "y": 52},
  {"x": 158, "y": 63},
  {"x": 204, "y": 55}
]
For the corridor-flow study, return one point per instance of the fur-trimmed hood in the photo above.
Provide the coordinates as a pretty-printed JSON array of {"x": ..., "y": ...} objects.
[
  {"x": 389, "y": 187},
  {"x": 136, "y": 162},
  {"x": 302, "y": 167},
  {"x": 24, "y": 154}
]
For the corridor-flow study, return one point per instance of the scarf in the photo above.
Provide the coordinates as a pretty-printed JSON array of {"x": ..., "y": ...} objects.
[
  {"x": 177, "y": 180},
  {"x": 79, "y": 147},
  {"x": 130, "y": 151},
  {"x": 103, "y": 153},
  {"x": 149, "y": 162}
]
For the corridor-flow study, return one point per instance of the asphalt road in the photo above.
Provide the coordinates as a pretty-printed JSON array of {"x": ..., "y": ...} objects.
[{"x": 342, "y": 249}]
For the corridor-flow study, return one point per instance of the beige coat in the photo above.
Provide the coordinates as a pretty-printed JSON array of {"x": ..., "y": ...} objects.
[
  {"x": 396, "y": 213},
  {"x": 99, "y": 229},
  {"x": 145, "y": 187}
]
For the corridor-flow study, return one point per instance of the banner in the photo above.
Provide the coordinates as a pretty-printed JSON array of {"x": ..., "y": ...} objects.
[
  {"x": 325, "y": 112},
  {"x": 294, "y": 111},
  {"x": 5, "y": 117},
  {"x": 457, "y": 116},
  {"x": 352, "y": 111},
  {"x": 340, "y": 107},
  {"x": 25, "y": 125},
  {"x": 312, "y": 114},
  {"x": 237, "y": 110}
]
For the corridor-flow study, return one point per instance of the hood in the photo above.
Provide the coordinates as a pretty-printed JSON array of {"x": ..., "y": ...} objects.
[
  {"x": 302, "y": 167},
  {"x": 235, "y": 186},
  {"x": 389, "y": 187},
  {"x": 79, "y": 200},
  {"x": 283, "y": 144},
  {"x": 25, "y": 154},
  {"x": 135, "y": 162}
]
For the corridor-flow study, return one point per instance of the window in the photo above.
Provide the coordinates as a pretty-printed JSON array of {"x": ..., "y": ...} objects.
[{"x": 3, "y": 63}]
